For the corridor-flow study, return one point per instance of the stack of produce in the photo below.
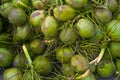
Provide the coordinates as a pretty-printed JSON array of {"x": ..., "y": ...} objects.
[{"x": 59, "y": 39}]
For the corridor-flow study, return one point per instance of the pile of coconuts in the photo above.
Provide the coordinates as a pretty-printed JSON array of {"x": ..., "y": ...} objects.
[{"x": 59, "y": 39}]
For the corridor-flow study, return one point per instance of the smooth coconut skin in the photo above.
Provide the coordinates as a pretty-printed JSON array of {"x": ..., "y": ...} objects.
[
  {"x": 79, "y": 63},
  {"x": 37, "y": 46},
  {"x": 103, "y": 15},
  {"x": 36, "y": 18},
  {"x": 12, "y": 74},
  {"x": 85, "y": 28},
  {"x": 98, "y": 35},
  {"x": 41, "y": 4},
  {"x": 49, "y": 27},
  {"x": 64, "y": 54},
  {"x": 42, "y": 65},
  {"x": 113, "y": 30},
  {"x": 112, "y": 5},
  {"x": 17, "y": 16},
  {"x": 5, "y": 57},
  {"x": 20, "y": 61},
  {"x": 5, "y": 9},
  {"x": 64, "y": 12},
  {"x": 38, "y": 4},
  {"x": 22, "y": 33},
  {"x": 114, "y": 48},
  {"x": 68, "y": 36},
  {"x": 77, "y": 3},
  {"x": 118, "y": 65},
  {"x": 105, "y": 68}
]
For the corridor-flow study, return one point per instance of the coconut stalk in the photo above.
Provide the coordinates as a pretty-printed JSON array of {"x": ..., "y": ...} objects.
[
  {"x": 87, "y": 72},
  {"x": 98, "y": 59},
  {"x": 28, "y": 59}
]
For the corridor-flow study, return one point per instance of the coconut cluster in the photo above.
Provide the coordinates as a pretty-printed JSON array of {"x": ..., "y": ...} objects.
[{"x": 59, "y": 39}]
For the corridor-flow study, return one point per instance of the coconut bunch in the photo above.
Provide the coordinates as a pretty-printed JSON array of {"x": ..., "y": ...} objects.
[{"x": 59, "y": 39}]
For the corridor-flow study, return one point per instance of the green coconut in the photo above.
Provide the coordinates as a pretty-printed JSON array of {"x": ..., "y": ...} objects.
[
  {"x": 22, "y": 33},
  {"x": 113, "y": 30},
  {"x": 37, "y": 46},
  {"x": 12, "y": 74},
  {"x": 64, "y": 54},
  {"x": 42, "y": 65},
  {"x": 79, "y": 63},
  {"x": 17, "y": 16},
  {"x": 5, "y": 9},
  {"x": 64, "y": 12},
  {"x": 77, "y": 3},
  {"x": 114, "y": 48},
  {"x": 85, "y": 28},
  {"x": 5, "y": 57},
  {"x": 103, "y": 15},
  {"x": 49, "y": 27},
  {"x": 20, "y": 61},
  {"x": 68, "y": 36},
  {"x": 36, "y": 18},
  {"x": 105, "y": 68}
]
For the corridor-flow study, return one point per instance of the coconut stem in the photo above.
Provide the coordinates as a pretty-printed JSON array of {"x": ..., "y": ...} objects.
[
  {"x": 83, "y": 75},
  {"x": 98, "y": 59},
  {"x": 27, "y": 55}
]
